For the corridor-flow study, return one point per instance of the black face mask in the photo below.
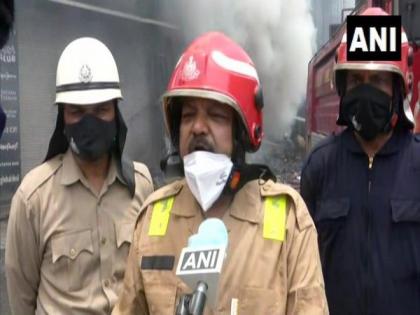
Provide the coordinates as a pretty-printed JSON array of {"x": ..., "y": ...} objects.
[
  {"x": 91, "y": 137},
  {"x": 367, "y": 110}
]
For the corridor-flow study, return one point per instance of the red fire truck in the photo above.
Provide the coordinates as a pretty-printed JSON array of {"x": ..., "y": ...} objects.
[{"x": 322, "y": 100}]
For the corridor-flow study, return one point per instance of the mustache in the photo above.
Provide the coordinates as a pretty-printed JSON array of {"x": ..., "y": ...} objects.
[{"x": 200, "y": 143}]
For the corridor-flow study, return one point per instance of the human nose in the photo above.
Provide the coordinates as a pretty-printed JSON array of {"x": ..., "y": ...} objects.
[{"x": 200, "y": 125}]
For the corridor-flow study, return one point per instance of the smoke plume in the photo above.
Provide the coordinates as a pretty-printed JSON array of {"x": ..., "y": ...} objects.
[{"x": 279, "y": 35}]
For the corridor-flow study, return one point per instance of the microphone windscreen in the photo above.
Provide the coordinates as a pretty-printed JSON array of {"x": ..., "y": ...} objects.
[{"x": 211, "y": 233}]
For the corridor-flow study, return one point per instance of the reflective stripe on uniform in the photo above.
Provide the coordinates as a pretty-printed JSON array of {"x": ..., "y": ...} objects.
[
  {"x": 275, "y": 218},
  {"x": 160, "y": 217}
]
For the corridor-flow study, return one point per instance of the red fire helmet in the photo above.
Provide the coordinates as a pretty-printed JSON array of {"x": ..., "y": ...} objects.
[
  {"x": 215, "y": 67},
  {"x": 402, "y": 67}
]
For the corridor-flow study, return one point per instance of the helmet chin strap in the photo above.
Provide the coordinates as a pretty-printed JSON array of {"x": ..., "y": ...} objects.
[{"x": 394, "y": 120}]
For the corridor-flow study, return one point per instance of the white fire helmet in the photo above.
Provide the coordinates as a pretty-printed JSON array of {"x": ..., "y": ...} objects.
[{"x": 87, "y": 74}]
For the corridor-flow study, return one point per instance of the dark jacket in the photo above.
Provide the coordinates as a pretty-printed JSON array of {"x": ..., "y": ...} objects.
[{"x": 368, "y": 222}]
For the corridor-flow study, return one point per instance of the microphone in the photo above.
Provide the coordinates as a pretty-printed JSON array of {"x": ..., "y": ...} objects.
[{"x": 200, "y": 263}]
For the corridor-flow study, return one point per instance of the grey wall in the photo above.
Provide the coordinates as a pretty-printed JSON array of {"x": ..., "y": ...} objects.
[
  {"x": 144, "y": 54},
  {"x": 145, "y": 51},
  {"x": 325, "y": 13}
]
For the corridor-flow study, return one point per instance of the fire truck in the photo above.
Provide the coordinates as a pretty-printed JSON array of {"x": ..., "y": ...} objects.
[{"x": 322, "y": 100}]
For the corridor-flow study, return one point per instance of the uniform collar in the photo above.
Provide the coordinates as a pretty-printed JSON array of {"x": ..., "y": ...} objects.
[
  {"x": 245, "y": 206},
  {"x": 392, "y": 146},
  {"x": 72, "y": 173}
]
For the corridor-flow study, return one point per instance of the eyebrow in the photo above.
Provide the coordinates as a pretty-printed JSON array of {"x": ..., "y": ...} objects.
[
  {"x": 102, "y": 106},
  {"x": 72, "y": 107},
  {"x": 187, "y": 105},
  {"x": 355, "y": 75}
]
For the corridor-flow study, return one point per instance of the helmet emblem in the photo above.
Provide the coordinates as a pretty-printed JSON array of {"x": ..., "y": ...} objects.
[
  {"x": 85, "y": 74},
  {"x": 190, "y": 71}
]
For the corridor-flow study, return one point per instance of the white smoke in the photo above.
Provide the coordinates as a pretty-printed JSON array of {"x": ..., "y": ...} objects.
[{"x": 279, "y": 35}]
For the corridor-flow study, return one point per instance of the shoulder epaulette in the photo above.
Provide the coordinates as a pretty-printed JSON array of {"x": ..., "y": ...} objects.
[
  {"x": 143, "y": 170},
  {"x": 271, "y": 189},
  {"x": 39, "y": 175},
  {"x": 163, "y": 193},
  {"x": 323, "y": 143}
]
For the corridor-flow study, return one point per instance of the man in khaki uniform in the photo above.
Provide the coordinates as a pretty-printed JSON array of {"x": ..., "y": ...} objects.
[
  {"x": 71, "y": 224},
  {"x": 213, "y": 114}
]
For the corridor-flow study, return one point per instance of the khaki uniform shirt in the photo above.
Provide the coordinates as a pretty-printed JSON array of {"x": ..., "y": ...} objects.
[
  {"x": 66, "y": 245},
  {"x": 260, "y": 276}
]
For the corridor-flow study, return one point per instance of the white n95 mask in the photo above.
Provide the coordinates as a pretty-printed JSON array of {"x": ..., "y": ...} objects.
[{"x": 206, "y": 174}]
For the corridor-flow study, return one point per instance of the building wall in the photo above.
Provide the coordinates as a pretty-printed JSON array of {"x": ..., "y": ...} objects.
[
  {"x": 145, "y": 48},
  {"x": 327, "y": 12},
  {"x": 144, "y": 54}
]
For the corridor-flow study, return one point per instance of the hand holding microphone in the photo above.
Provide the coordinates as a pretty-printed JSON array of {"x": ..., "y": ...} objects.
[{"x": 200, "y": 265}]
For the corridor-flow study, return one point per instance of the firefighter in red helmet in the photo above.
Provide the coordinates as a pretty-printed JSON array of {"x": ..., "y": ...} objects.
[
  {"x": 360, "y": 188},
  {"x": 213, "y": 113},
  {"x": 399, "y": 72}
]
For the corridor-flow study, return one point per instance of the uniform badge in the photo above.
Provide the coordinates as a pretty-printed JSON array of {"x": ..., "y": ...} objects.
[
  {"x": 85, "y": 74},
  {"x": 190, "y": 71}
]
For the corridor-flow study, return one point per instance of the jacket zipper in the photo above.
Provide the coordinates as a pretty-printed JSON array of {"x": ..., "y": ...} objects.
[
  {"x": 370, "y": 169},
  {"x": 369, "y": 235}
]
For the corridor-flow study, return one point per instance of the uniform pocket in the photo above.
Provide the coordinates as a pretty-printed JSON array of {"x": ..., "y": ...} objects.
[
  {"x": 72, "y": 257},
  {"x": 330, "y": 215},
  {"x": 124, "y": 233},
  {"x": 332, "y": 209},
  {"x": 405, "y": 211},
  {"x": 124, "y": 237},
  {"x": 404, "y": 240},
  {"x": 330, "y": 218},
  {"x": 161, "y": 299},
  {"x": 252, "y": 301}
]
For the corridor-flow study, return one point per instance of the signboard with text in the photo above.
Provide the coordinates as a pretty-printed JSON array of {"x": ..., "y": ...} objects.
[{"x": 9, "y": 143}]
